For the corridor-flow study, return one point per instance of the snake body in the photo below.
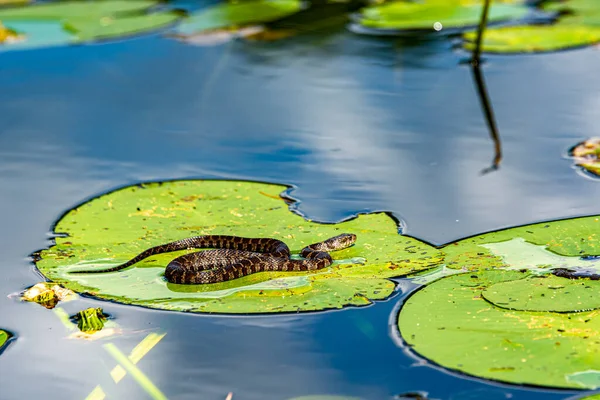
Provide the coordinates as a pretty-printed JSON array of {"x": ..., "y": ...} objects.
[{"x": 236, "y": 257}]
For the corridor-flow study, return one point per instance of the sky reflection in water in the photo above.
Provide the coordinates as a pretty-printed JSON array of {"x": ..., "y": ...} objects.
[{"x": 356, "y": 124}]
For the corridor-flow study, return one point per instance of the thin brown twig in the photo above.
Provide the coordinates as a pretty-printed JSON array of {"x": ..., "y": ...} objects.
[
  {"x": 489, "y": 118},
  {"x": 482, "y": 24}
]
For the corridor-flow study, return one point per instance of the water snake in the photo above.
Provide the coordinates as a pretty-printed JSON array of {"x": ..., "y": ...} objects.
[{"x": 236, "y": 257}]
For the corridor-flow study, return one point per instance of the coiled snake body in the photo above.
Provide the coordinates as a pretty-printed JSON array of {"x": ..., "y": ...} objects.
[{"x": 236, "y": 257}]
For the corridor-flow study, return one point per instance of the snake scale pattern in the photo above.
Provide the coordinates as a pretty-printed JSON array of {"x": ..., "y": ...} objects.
[{"x": 235, "y": 257}]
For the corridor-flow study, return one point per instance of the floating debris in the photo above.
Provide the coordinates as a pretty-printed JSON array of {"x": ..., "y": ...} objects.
[
  {"x": 90, "y": 320},
  {"x": 587, "y": 155},
  {"x": 47, "y": 296}
]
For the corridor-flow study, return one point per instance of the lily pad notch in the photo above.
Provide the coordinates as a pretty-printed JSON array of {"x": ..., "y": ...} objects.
[{"x": 114, "y": 227}]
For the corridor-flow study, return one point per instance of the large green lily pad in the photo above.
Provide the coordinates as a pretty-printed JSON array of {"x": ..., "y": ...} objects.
[
  {"x": 91, "y": 20},
  {"x": 577, "y": 26},
  {"x": 401, "y": 15},
  {"x": 115, "y": 227},
  {"x": 506, "y": 317},
  {"x": 529, "y": 39}
]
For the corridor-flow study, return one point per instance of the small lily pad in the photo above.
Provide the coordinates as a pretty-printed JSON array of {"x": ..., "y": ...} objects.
[
  {"x": 545, "y": 293},
  {"x": 115, "y": 227}
]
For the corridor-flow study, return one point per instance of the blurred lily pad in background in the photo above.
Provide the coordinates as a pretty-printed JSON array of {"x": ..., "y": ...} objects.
[
  {"x": 236, "y": 15},
  {"x": 577, "y": 25},
  {"x": 434, "y": 15},
  {"x": 67, "y": 22}
]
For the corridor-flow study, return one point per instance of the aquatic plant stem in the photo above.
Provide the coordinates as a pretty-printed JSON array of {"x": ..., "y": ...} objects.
[
  {"x": 488, "y": 111},
  {"x": 475, "y": 60}
]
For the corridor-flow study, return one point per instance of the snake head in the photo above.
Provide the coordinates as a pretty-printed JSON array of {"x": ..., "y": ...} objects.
[{"x": 344, "y": 240}]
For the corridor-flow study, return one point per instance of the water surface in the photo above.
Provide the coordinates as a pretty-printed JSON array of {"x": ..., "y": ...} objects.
[{"x": 356, "y": 124}]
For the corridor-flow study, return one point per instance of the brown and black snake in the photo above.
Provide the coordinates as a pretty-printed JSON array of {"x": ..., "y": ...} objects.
[{"x": 236, "y": 257}]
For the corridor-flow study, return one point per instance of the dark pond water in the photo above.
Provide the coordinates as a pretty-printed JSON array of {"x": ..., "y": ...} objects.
[{"x": 356, "y": 124}]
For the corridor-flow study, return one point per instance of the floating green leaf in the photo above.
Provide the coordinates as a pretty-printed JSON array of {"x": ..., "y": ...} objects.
[
  {"x": 88, "y": 29},
  {"x": 3, "y": 338},
  {"x": 87, "y": 21},
  {"x": 401, "y": 15},
  {"x": 65, "y": 10},
  {"x": 233, "y": 15},
  {"x": 113, "y": 228},
  {"x": 90, "y": 320},
  {"x": 587, "y": 9},
  {"x": 480, "y": 311},
  {"x": 578, "y": 26},
  {"x": 527, "y": 39}
]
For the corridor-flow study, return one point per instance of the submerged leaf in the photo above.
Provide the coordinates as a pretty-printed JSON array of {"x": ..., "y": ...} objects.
[{"x": 115, "y": 227}]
